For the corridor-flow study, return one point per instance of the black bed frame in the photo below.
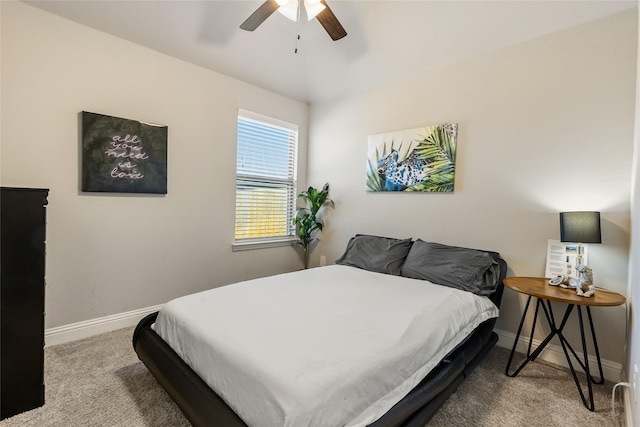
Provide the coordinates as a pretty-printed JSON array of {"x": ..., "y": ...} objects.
[{"x": 203, "y": 407}]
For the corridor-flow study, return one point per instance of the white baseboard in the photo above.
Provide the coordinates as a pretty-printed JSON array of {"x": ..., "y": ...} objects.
[
  {"x": 628, "y": 415},
  {"x": 554, "y": 354},
  {"x": 89, "y": 328}
]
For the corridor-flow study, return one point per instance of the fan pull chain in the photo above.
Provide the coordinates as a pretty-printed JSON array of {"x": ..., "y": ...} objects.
[{"x": 297, "y": 28}]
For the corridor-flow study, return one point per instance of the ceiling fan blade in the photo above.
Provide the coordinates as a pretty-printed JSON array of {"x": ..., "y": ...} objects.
[
  {"x": 260, "y": 15},
  {"x": 330, "y": 23}
]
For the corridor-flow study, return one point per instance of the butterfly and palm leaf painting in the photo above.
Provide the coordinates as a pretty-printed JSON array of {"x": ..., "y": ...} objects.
[{"x": 419, "y": 160}]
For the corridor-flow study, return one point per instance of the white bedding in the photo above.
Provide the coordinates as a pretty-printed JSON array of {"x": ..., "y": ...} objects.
[{"x": 329, "y": 346}]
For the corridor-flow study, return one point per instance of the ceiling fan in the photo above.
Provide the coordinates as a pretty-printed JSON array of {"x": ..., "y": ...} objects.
[{"x": 292, "y": 9}]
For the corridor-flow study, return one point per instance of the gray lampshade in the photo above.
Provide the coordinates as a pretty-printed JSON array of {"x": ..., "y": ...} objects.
[{"x": 580, "y": 227}]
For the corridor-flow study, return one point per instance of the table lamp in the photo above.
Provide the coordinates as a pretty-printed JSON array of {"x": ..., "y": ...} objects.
[{"x": 580, "y": 227}]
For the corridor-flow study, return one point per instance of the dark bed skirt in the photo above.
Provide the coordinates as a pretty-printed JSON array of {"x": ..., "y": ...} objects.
[{"x": 203, "y": 407}]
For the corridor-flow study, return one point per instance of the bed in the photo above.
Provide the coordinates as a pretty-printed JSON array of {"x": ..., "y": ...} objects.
[{"x": 382, "y": 338}]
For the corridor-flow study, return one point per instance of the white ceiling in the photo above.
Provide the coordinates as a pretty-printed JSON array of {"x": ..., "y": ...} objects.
[{"x": 386, "y": 41}]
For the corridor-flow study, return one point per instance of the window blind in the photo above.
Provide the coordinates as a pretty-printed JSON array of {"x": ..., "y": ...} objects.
[{"x": 265, "y": 178}]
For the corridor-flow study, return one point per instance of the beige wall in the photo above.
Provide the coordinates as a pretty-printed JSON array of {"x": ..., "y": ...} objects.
[
  {"x": 106, "y": 253},
  {"x": 544, "y": 126},
  {"x": 633, "y": 292}
]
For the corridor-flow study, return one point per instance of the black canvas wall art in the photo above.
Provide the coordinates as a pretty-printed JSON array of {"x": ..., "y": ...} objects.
[{"x": 123, "y": 156}]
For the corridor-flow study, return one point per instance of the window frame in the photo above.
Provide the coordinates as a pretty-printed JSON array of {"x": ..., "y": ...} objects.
[{"x": 268, "y": 241}]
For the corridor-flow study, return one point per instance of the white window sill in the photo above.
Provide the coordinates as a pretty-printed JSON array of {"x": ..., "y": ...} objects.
[{"x": 262, "y": 244}]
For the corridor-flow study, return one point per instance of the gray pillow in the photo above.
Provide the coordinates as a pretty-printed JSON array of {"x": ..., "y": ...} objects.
[
  {"x": 374, "y": 253},
  {"x": 471, "y": 270}
]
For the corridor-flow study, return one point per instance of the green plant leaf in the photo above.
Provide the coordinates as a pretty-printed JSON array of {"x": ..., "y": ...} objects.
[{"x": 308, "y": 219}]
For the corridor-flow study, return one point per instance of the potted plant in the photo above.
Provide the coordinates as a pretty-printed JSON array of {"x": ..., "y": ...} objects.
[{"x": 308, "y": 219}]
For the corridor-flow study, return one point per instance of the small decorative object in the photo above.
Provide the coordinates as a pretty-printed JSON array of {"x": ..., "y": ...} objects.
[
  {"x": 122, "y": 155},
  {"x": 308, "y": 219},
  {"x": 585, "y": 287},
  {"x": 418, "y": 160},
  {"x": 561, "y": 281}
]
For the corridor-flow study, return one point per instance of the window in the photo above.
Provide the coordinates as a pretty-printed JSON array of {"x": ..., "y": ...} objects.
[{"x": 265, "y": 180}]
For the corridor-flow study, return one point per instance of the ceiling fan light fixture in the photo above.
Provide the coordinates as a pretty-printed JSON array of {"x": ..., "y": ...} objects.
[
  {"x": 313, "y": 8},
  {"x": 292, "y": 10},
  {"x": 289, "y": 9}
]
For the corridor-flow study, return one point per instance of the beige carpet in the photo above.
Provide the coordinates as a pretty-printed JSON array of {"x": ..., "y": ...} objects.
[{"x": 100, "y": 382}]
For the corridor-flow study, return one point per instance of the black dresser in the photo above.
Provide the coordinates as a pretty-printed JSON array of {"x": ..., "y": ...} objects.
[{"x": 22, "y": 250}]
